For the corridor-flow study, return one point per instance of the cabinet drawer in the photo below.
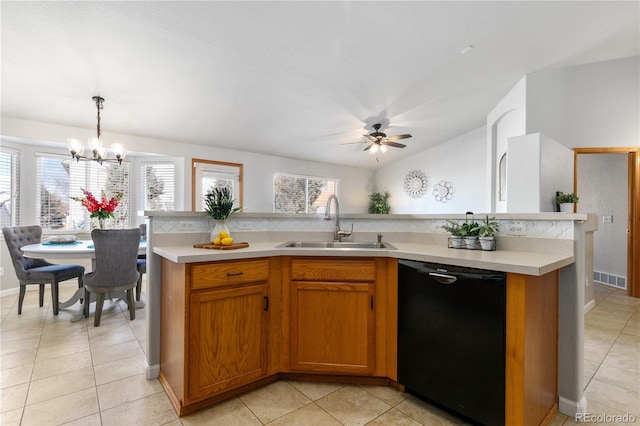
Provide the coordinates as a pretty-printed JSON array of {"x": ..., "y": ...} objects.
[
  {"x": 227, "y": 273},
  {"x": 333, "y": 270}
]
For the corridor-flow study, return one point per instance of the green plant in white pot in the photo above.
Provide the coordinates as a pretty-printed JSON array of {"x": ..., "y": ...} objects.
[
  {"x": 470, "y": 232},
  {"x": 487, "y": 232},
  {"x": 218, "y": 205},
  {"x": 456, "y": 231},
  {"x": 379, "y": 203},
  {"x": 567, "y": 202}
]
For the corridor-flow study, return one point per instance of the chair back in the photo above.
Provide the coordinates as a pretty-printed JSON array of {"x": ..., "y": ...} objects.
[
  {"x": 116, "y": 258},
  {"x": 17, "y": 237}
]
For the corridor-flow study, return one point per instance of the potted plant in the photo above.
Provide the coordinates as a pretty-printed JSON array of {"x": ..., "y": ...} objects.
[
  {"x": 567, "y": 202},
  {"x": 470, "y": 232},
  {"x": 218, "y": 204},
  {"x": 487, "y": 232},
  {"x": 455, "y": 230},
  {"x": 379, "y": 203}
]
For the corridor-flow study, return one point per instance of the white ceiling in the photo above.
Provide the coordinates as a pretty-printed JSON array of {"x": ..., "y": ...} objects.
[{"x": 293, "y": 79}]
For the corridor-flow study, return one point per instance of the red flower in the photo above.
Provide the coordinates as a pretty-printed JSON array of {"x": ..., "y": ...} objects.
[{"x": 101, "y": 209}]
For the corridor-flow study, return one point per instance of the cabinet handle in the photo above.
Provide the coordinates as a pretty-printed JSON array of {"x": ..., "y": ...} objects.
[
  {"x": 266, "y": 303},
  {"x": 234, "y": 274}
]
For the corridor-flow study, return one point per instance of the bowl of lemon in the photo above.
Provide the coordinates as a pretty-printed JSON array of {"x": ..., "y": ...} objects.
[{"x": 223, "y": 239}]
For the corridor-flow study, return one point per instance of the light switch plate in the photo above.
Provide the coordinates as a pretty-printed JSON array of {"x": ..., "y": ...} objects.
[{"x": 607, "y": 219}]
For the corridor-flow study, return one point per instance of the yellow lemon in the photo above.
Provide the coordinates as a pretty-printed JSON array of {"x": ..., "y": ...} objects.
[
  {"x": 217, "y": 241},
  {"x": 227, "y": 241},
  {"x": 223, "y": 234}
]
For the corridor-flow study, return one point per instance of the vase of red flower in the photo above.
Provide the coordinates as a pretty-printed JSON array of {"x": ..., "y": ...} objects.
[{"x": 101, "y": 209}]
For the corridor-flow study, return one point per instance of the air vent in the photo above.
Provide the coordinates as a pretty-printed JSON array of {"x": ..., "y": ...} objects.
[{"x": 611, "y": 280}]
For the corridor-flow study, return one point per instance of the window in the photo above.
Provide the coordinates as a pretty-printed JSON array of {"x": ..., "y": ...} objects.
[
  {"x": 59, "y": 178},
  {"x": 302, "y": 194},
  {"x": 214, "y": 174},
  {"x": 9, "y": 187},
  {"x": 158, "y": 186}
]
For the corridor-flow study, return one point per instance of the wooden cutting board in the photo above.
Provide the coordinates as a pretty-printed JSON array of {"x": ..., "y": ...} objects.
[{"x": 214, "y": 247}]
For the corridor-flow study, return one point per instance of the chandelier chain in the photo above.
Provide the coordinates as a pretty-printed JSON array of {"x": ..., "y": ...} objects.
[{"x": 99, "y": 101}]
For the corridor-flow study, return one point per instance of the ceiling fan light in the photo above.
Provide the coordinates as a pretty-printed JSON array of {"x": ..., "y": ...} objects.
[
  {"x": 374, "y": 149},
  {"x": 383, "y": 148}
]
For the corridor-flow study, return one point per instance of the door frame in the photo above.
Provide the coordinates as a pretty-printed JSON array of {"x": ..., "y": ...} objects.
[{"x": 633, "y": 221}]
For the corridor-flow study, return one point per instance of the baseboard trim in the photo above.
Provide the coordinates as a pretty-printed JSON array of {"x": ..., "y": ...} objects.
[
  {"x": 151, "y": 371},
  {"x": 572, "y": 408},
  {"x": 34, "y": 287},
  {"x": 589, "y": 306}
]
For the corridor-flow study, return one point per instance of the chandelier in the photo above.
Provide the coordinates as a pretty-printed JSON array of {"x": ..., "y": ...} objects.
[{"x": 99, "y": 153}]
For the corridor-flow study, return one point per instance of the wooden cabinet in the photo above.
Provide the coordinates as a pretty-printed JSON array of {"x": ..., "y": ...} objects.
[
  {"x": 227, "y": 339},
  {"x": 333, "y": 314},
  {"x": 229, "y": 326},
  {"x": 215, "y": 319}
]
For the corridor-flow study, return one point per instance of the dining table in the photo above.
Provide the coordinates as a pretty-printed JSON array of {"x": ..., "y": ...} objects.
[{"x": 74, "y": 249}]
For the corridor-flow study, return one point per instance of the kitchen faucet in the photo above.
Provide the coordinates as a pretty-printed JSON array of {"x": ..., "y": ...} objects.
[{"x": 337, "y": 232}]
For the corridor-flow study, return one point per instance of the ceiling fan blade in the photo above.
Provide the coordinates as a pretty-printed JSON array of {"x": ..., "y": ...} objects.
[
  {"x": 394, "y": 144},
  {"x": 368, "y": 147},
  {"x": 371, "y": 138},
  {"x": 398, "y": 137},
  {"x": 351, "y": 143}
]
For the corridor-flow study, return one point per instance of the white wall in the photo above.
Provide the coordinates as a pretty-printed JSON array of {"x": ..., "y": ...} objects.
[
  {"x": 556, "y": 172},
  {"x": 590, "y": 105},
  {"x": 505, "y": 120},
  {"x": 537, "y": 167},
  {"x": 603, "y": 189},
  {"x": 460, "y": 161},
  {"x": 523, "y": 174},
  {"x": 355, "y": 184}
]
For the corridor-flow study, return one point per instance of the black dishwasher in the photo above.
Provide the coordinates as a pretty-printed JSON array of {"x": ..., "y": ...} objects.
[{"x": 451, "y": 338}]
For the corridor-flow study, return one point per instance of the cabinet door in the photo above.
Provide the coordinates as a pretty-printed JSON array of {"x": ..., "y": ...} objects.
[
  {"x": 227, "y": 339},
  {"x": 332, "y": 327}
]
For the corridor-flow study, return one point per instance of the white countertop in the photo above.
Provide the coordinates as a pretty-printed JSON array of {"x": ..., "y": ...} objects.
[{"x": 528, "y": 263}]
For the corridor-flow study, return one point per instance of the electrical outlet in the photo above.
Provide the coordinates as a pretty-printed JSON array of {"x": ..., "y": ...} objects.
[
  {"x": 186, "y": 226},
  {"x": 517, "y": 229},
  {"x": 242, "y": 225}
]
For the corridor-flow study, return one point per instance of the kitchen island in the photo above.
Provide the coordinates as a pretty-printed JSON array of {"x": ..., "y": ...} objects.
[{"x": 533, "y": 276}]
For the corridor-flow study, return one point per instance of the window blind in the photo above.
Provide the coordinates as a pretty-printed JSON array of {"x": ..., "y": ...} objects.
[
  {"x": 58, "y": 179},
  {"x": 302, "y": 194},
  {"x": 9, "y": 187},
  {"x": 158, "y": 186}
]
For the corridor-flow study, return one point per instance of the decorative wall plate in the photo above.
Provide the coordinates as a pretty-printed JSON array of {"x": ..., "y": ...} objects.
[
  {"x": 415, "y": 184},
  {"x": 443, "y": 191}
]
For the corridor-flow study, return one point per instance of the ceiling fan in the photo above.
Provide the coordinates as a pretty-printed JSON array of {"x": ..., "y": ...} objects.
[{"x": 379, "y": 141}]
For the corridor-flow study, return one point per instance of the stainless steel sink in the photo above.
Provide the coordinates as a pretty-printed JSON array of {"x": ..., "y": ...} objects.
[{"x": 339, "y": 245}]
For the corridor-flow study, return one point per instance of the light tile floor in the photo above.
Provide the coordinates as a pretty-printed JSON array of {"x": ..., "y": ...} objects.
[{"x": 55, "y": 372}]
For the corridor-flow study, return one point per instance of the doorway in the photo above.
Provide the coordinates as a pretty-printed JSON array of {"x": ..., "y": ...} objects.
[{"x": 604, "y": 170}]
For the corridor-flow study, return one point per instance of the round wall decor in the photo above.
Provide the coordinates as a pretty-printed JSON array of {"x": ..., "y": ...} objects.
[
  {"x": 415, "y": 184},
  {"x": 443, "y": 191}
]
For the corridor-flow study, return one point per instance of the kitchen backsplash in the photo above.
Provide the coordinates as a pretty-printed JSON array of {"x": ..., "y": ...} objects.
[{"x": 545, "y": 227}]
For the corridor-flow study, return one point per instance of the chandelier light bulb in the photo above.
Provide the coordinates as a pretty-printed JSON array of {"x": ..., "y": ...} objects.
[
  {"x": 100, "y": 152},
  {"x": 118, "y": 150},
  {"x": 75, "y": 147},
  {"x": 95, "y": 144}
]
